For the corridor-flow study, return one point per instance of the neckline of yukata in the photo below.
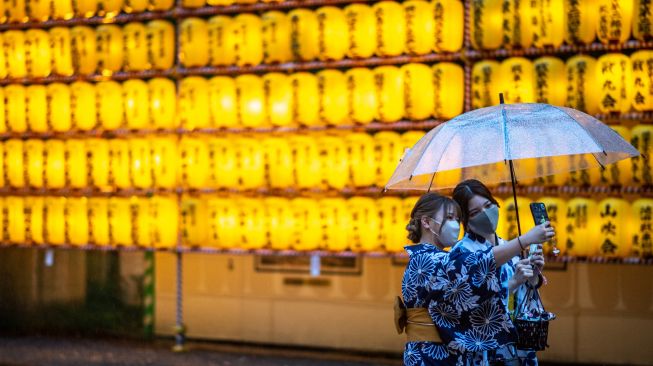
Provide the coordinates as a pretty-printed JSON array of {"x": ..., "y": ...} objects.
[{"x": 421, "y": 248}]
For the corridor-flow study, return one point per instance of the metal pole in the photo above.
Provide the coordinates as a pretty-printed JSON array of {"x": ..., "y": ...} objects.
[{"x": 148, "y": 295}]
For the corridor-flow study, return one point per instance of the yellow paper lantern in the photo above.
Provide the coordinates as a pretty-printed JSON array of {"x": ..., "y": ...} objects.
[
  {"x": 3, "y": 122},
  {"x": 486, "y": 24},
  {"x": 389, "y": 93},
  {"x": 160, "y": 44},
  {"x": 308, "y": 228},
  {"x": 55, "y": 221},
  {"x": 193, "y": 3},
  {"x": 614, "y": 20},
  {"x": 136, "y": 47},
  {"x": 303, "y": 34},
  {"x": 38, "y": 61},
  {"x": 121, "y": 223},
  {"x": 410, "y": 138},
  {"x": 61, "y": 43},
  {"x": 98, "y": 217},
  {"x": 55, "y": 164},
  {"x": 392, "y": 233},
  {"x": 163, "y": 103},
  {"x": 109, "y": 8},
  {"x": 14, "y": 49},
  {"x": 640, "y": 229},
  {"x": 220, "y": 2},
  {"x": 16, "y": 11},
  {"x": 279, "y": 165},
  {"x": 62, "y": 9},
  {"x": 77, "y": 220},
  {"x": 142, "y": 221},
  {"x": 85, "y": 8},
  {"x": 580, "y": 27},
  {"x": 223, "y": 163},
  {"x": 642, "y": 20},
  {"x": 37, "y": 10},
  {"x": 337, "y": 223},
  {"x": 334, "y": 99},
  {"x": 194, "y": 103},
  {"x": 556, "y": 209},
  {"x": 193, "y": 40},
  {"x": 250, "y": 98},
  {"x": 111, "y": 48},
  {"x": 582, "y": 84},
  {"x": 83, "y": 105},
  {"x": 642, "y": 62},
  {"x": 161, "y": 4},
  {"x": 333, "y": 35},
  {"x": 334, "y": 155},
  {"x": 516, "y": 75},
  {"x": 306, "y": 99},
  {"x": 362, "y": 95},
  {"x": 550, "y": 82},
  {"x": 221, "y": 31},
  {"x": 164, "y": 161},
  {"x": 549, "y": 21},
  {"x": 545, "y": 170},
  {"x": 508, "y": 216},
  {"x": 194, "y": 162},
  {"x": 83, "y": 50},
  {"x": 620, "y": 173},
  {"x": 583, "y": 227},
  {"x": 34, "y": 220},
  {"x": 3, "y": 55},
  {"x": 98, "y": 160},
  {"x": 223, "y": 223},
  {"x": 390, "y": 28},
  {"x": 135, "y": 6},
  {"x": 615, "y": 216},
  {"x": 15, "y": 111},
  {"x": 614, "y": 78},
  {"x": 361, "y": 29},
  {"x": 34, "y": 167},
  {"x": 252, "y": 224},
  {"x": 362, "y": 159},
  {"x": 448, "y": 90},
  {"x": 251, "y": 165},
  {"x": 222, "y": 101},
  {"x": 119, "y": 164},
  {"x": 448, "y": 18},
  {"x": 280, "y": 223},
  {"x": 418, "y": 91},
  {"x": 250, "y": 40},
  {"x": 641, "y": 137},
  {"x": 389, "y": 150},
  {"x": 485, "y": 84},
  {"x": 37, "y": 108},
  {"x": 136, "y": 100},
  {"x": 77, "y": 167},
  {"x": 278, "y": 99},
  {"x": 165, "y": 221},
  {"x": 275, "y": 29},
  {"x": 420, "y": 27},
  {"x": 307, "y": 165},
  {"x": 141, "y": 162},
  {"x": 59, "y": 103},
  {"x": 365, "y": 224},
  {"x": 518, "y": 20},
  {"x": 15, "y": 219}
]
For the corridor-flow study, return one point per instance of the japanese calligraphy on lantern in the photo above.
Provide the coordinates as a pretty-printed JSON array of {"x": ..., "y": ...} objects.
[
  {"x": 485, "y": 84},
  {"x": 581, "y": 84},
  {"x": 581, "y": 227},
  {"x": 615, "y": 18},
  {"x": 642, "y": 62},
  {"x": 614, "y": 215},
  {"x": 642, "y": 228},
  {"x": 614, "y": 73},
  {"x": 641, "y": 168}
]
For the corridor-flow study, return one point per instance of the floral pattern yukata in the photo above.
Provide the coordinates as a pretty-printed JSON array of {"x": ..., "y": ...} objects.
[{"x": 463, "y": 294}]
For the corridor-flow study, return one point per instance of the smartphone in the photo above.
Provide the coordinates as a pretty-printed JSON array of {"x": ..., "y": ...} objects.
[{"x": 540, "y": 216}]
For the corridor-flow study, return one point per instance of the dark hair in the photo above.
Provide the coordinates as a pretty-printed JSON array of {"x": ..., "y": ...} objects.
[
  {"x": 427, "y": 205},
  {"x": 465, "y": 191}
]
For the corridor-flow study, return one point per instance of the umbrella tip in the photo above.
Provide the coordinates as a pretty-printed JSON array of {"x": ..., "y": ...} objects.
[{"x": 501, "y": 101}]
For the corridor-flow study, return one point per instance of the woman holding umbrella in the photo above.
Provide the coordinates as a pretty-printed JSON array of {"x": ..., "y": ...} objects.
[{"x": 454, "y": 305}]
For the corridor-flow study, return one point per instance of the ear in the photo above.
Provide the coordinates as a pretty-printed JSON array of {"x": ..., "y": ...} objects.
[{"x": 425, "y": 222}]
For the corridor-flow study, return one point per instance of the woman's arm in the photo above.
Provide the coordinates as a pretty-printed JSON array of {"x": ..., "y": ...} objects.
[{"x": 538, "y": 234}]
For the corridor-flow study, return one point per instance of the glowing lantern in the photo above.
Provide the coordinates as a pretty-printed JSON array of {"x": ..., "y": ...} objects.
[
  {"x": 222, "y": 102},
  {"x": 142, "y": 221},
  {"x": 16, "y": 11},
  {"x": 193, "y": 3},
  {"x": 59, "y": 107},
  {"x": 333, "y": 37},
  {"x": 136, "y": 99},
  {"x": 121, "y": 224},
  {"x": 614, "y": 77},
  {"x": 280, "y": 223},
  {"x": 334, "y": 106},
  {"x": 580, "y": 27},
  {"x": 83, "y": 105},
  {"x": 550, "y": 82},
  {"x": 163, "y": 102},
  {"x": 37, "y": 108},
  {"x": 3, "y": 56},
  {"x": 641, "y": 230},
  {"x": 220, "y": 2},
  {"x": 77, "y": 169},
  {"x": 549, "y": 21},
  {"x": 251, "y": 165},
  {"x": 334, "y": 157},
  {"x": 161, "y": 4},
  {"x": 77, "y": 220},
  {"x": 361, "y": 27},
  {"x": 62, "y": 9},
  {"x": 279, "y": 163},
  {"x": 485, "y": 84},
  {"x": 222, "y": 41},
  {"x": 582, "y": 84},
  {"x": 109, "y": 8},
  {"x": 136, "y": 50},
  {"x": 390, "y": 28},
  {"x": 365, "y": 224},
  {"x": 641, "y": 139},
  {"x": 98, "y": 151},
  {"x": 223, "y": 163},
  {"x": 194, "y": 161},
  {"x": 410, "y": 138},
  {"x": 303, "y": 34},
  {"x": 85, "y": 8},
  {"x": 37, "y": 53},
  {"x": 14, "y": 48},
  {"x": 34, "y": 220},
  {"x": 15, "y": 219},
  {"x": 275, "y": 29},
  {"x": 194, "y": 103},
  {"x": 418, "y": 91},
  {"x": 336, "y": 223},
  {"x": 110, "y": 104},
  {"x": 420, "y": 25},
  {"x": 98, "y": 217},
  {"x": 223, "y": 223},
  {"x": 448, "y": 16},
  {"x": 486, "y": 24},
  {"x": 193, "y": 40},
  {"x": 389, "y": 150},
  {"x": 15, "y": 111},
  {"x": 38, "y": 10},
  {"x": 252, "y": 228},
  {"x": 615, "y": 19},
  {"x": 619, "y": 174},
  {"x": 545, "y": 170},
  {"x": 55, "y": 164},
  {"x": 448, "y": 88},
  {"x": 516, "y": 75},
  {"x": 250, "y": 98},
  {"x": 392, "y": 233},
  {"x": 60, "y": 40},
  {"x": 390, "y": 93},
  {"x": 307, "y": 164},
  {"x": 615, "y": 216},
  {"x": 83, "y": 50},
  {"x": 362, "y": 159},
  {"x": 165, "y": 221},
  {"x": 508, "y": 217},
  {"x": 556, "y": 209},
  {"x": 582, "y": 230},
  {"x": 362, "y": 95},
  {"x": 642, "y": 62},
  {"x": 135, "y": 6},
  {"x": 278, "y": 99},
  {"x": 643, "y": 19},
  {"x": 110, "y": 48},
  {"x": 517, "y": 16},
  {"x": 249, "y": 38},
  {"x": 306, "y": 99},
  {"x": 308, "y": 228},
  {"x": 55, "y": 220},
  {"x": 141, "y": 163},
  {"x": 33, "y": 165},
  {"x": 164, "y": 161},
  {"x": 119, "y": 164}
]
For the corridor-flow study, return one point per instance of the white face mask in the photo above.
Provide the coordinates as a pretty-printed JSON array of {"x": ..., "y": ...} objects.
[{"x": 449, "y": 232}]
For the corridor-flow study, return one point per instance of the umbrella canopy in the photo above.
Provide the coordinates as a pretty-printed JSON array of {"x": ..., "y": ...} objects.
[{"x": 478, "y": 144}]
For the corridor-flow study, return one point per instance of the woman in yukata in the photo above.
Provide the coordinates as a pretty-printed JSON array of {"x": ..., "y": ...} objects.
[
  {"x": 480, "y": 215},
  {"x": 454, "y": 306}
]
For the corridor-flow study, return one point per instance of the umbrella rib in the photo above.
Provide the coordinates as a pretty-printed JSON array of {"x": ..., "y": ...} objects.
[{"x": 426, "y": 149}]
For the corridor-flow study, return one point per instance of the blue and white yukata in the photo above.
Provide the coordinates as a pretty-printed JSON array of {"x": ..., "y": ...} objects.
[{"x": 462, "y": 292}]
